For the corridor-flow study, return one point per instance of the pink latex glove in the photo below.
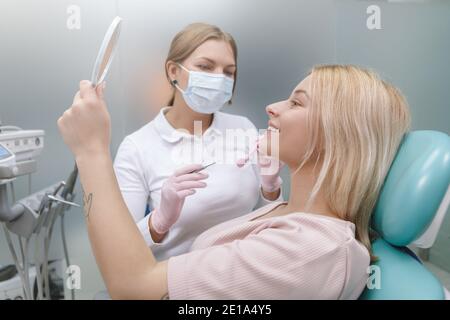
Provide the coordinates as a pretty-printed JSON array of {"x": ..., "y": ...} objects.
[
  {"x": 173, "y": 193},
  {"x": 269, "y": 169}
]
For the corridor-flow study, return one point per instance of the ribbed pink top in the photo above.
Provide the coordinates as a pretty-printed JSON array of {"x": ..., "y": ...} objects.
[{"x": 296, "y": 256}]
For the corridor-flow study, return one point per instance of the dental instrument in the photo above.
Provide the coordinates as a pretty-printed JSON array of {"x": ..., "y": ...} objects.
[{"x": 203, "y": 168}]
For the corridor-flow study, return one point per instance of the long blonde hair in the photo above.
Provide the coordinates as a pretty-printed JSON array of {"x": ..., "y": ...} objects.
[
  {"x": 357, "y": 122},
  {"x": 189, "y": 39}
]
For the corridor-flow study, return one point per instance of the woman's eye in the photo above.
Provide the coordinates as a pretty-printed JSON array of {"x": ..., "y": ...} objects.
[
  {"x": 295, "y": 103},
  {"x": 204, "y": 67}
]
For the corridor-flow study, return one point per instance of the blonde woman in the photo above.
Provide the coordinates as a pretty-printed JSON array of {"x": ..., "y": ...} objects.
[
  {"x": 153, "y": 170},
  {"x": 338, "y": 133}
]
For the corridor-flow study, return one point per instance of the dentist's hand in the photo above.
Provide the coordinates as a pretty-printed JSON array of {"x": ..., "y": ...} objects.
[
  {"x": 269, "y": 164},
  {"x": 174, "y": 191},
  {"x": 269, "y": 170},
  {"x": 85, "y": 126}
]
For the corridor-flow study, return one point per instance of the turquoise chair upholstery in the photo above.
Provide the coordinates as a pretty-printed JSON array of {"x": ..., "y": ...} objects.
[{"x": 412, "y": 192}]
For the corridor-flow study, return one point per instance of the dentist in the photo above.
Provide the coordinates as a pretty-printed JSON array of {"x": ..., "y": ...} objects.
[{"x": 151, "y": 170}]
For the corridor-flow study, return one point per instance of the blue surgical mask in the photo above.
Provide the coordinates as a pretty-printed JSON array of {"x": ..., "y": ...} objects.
[{"x": 206, "y": 92}]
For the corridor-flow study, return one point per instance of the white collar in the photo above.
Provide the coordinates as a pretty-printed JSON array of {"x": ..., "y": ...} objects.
[{"x": 172, "y": 135}]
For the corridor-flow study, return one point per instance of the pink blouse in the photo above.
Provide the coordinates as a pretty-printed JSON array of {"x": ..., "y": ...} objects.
[{"x": 295, "y": 256}]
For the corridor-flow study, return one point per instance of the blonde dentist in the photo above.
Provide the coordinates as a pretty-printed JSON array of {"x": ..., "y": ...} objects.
[{"x": 201, "y": 67}]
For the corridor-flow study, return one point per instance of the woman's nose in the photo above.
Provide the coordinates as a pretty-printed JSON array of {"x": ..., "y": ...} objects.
[{"x": 272, "y": 110}]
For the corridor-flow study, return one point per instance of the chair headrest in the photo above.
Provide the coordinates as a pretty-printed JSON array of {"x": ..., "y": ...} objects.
[{"x": 414, "y": 187}]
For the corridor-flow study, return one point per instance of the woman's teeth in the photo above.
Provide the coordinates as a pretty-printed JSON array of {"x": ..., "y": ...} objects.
[{"x": 273, "y": 129}]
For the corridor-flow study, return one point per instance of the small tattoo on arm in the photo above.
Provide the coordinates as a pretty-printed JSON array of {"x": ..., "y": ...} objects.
[{"x": 87, "y": 203}]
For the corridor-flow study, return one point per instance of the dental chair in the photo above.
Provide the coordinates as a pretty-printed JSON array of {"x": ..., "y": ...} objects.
[{"x": 410, "y": 210}]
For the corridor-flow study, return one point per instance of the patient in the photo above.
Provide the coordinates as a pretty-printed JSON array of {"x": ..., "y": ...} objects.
[{"x": 338, "y": 134}]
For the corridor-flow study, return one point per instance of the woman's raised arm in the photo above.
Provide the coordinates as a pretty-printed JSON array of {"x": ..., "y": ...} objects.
[{"x": 128, "y": 267}]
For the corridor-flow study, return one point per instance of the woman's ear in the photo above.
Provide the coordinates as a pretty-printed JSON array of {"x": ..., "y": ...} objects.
[{"x": 172, "y": 72}]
